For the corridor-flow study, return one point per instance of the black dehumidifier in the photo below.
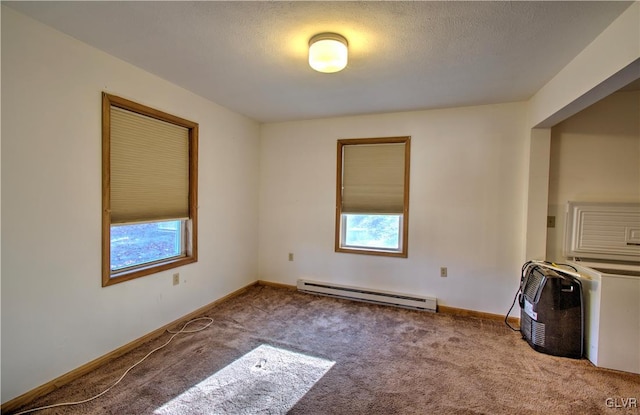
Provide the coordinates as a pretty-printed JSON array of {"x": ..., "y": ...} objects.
[{"x": 551, "y": 312}]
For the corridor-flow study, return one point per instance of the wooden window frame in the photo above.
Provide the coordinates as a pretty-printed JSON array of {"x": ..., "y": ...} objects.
[
  {"x": 403, "y": 252},
  {"x": 109, "y": 278}
]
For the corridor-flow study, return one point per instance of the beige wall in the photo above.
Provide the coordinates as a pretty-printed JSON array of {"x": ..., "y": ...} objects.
[
  {"x": 608, "y": 63},
  {"x": 466, "y": 210},
  {"x": 55, "y": 314},
  {"x": 595, "y": 157}
]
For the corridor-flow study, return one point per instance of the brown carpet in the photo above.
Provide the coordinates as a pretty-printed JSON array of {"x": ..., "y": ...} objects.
[{"x": 375, "y": 360}]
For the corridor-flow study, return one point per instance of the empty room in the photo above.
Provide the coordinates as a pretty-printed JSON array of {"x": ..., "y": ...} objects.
[{"x": 320, "y": 207}]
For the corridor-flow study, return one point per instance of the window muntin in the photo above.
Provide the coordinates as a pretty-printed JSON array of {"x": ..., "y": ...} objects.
[
  {"x": 372, "y": 196},
  {"x": 149, "y": 162}
]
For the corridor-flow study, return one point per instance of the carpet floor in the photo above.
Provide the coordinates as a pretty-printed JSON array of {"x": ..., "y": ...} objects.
[{"x": 276, "y": 351}]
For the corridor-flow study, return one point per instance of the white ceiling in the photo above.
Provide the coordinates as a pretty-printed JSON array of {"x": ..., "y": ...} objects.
[{"x": 251, "y": 57}]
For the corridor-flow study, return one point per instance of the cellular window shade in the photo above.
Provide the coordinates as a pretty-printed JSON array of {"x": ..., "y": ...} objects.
[
  {"x": 373, "y": 178},
  {"x": 149, "y": 169}
]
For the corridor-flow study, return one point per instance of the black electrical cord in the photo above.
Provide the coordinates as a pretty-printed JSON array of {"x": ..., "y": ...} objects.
[
  {"x": 568, "y": 265},
  {"x": 560, "y": 265},
  {"x": 525, "y": 266},
  {"x": 506, "y": 318}
]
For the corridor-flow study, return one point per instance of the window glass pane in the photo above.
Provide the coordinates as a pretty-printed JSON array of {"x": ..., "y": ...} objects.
[
  {"x": 372, "y": 231},
  {"x": 142, "y": 243}
]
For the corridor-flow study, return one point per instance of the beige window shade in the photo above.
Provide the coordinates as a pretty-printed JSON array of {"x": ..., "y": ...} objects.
[
  {"x": 373, "y": 178},
  {"x": 149, "y": 169}
]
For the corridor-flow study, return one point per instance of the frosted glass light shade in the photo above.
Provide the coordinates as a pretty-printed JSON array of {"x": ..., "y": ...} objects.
[{"x": 328, "y": 52}]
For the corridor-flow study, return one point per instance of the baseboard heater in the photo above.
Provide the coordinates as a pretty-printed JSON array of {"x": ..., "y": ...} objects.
[{"x": 367, "y": 295}]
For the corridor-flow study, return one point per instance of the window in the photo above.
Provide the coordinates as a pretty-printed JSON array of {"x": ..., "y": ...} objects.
[
  {"x": 149, "y": 190},
  {"x": 372, "y": 196}
]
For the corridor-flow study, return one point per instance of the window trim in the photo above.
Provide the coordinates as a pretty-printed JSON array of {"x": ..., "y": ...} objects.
[
  {"x": 191, "y": 233},
  {"x": 403, "y": 252}
]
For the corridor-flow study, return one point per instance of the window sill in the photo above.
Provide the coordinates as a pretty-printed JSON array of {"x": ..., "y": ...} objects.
[
  {"x": 371, "y": 251},
  {"x": 126, "y": 275}
]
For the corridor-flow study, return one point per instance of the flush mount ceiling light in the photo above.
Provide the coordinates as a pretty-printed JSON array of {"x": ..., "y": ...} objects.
[{"x": 328, "y": 52}]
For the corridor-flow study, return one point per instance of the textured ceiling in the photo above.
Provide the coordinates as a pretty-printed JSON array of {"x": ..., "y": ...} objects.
[{"x": 251, "y": 57}]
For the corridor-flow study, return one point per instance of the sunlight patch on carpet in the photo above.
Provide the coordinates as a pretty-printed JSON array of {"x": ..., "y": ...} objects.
[{"x": 265, "y": 380}]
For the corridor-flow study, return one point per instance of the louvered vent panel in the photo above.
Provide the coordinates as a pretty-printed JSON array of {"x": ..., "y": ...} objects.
[
  {"x": 538, "y": 333},
  {"x": 532, "y": 285},
  {"x": 525, "y": 325},
  {"x": 603, "y": 231}
]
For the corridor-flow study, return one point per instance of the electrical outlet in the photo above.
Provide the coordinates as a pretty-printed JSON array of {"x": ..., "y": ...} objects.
[
  {"x": 290, "y": 256},
  {"x": 176, "y": 278},
  {"x": 443, "y": 272}
]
